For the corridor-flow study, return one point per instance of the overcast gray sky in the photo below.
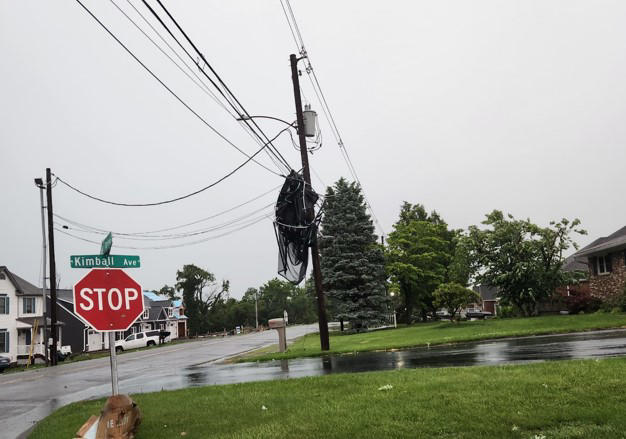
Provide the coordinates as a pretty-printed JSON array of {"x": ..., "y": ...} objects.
[{"x": 462, "y": 106}]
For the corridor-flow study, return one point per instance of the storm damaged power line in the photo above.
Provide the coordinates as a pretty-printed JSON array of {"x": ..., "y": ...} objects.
[
  {"x": 178, "y": 98},
  {"x": 171, "y": 200},
  {"x": 297, "y": 37}
]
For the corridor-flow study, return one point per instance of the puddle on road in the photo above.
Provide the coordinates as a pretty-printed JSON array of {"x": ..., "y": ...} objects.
[{"x": 520, "y": 350}]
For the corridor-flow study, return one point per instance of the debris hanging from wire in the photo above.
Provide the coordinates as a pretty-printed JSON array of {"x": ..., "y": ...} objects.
[{"x": 295, "y": 232}]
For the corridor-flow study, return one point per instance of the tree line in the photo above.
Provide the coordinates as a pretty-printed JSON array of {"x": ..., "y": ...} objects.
[{"x": 424, "y": 266}]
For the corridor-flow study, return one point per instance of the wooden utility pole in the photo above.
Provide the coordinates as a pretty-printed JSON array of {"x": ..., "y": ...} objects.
[
  {"x": 317, "y": 271},
  {"x": 53, "y": 272}
]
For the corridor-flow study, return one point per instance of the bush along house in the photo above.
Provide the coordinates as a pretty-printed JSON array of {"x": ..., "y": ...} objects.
[{"x": 606, "y": 259}]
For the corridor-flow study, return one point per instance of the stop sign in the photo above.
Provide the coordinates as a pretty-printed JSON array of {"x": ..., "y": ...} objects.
[{"x": 108, "y": 299}]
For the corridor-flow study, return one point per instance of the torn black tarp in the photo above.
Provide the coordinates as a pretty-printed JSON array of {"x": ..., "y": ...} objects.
[{"x": 295, "y": 232}]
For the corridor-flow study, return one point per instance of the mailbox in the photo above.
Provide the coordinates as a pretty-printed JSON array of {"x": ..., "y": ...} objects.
[
  {"x": 277, "y": 323},
  {"x": 280, "y": 326}
]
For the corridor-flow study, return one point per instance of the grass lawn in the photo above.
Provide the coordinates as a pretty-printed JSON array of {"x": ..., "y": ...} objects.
[
  {"x": 444, "y": 332},
  {"x": 560, "y": 399}
]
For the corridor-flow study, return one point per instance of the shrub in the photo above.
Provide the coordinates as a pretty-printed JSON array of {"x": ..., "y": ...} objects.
[{"x": 582, "y": 302}]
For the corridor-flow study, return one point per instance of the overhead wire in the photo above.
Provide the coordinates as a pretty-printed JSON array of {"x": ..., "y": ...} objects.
[
  {"x": 198, "y": 81},
  {"x": 154, "y": 75},
  {"x": 299, "y": 42},
  {"x": 185, "y": 244},
  {"x": 167, "y": 229},
  {"x": 222, "y": 88},
  {"x": 171, "y": 200},
  {"x": 155, "y": 237}
]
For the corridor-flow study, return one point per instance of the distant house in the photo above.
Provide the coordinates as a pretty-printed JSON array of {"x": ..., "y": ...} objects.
[
  {"x": 162, "y": 314},
  {"x": 606, "y": 259},
  {"x": 488, "y": 298},
  {"x": 578, "y": 264},
  {"x": 21, "y": 318}
]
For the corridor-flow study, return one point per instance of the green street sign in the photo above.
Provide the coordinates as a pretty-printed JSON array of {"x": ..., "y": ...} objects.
[
  {"x": 107, "y": 242},
  {"x": 100, "y": 261}
]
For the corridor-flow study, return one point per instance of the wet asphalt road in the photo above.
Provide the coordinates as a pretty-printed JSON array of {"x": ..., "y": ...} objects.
[
  {"x": 27, "y": 397},
  {"x": 597, "y": 344}
]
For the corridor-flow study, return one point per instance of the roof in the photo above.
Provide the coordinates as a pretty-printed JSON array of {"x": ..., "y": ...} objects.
[
  {"x": 65, "y": 295},
  {"x": 575, "y": 263},
  {"x": 156, "y": 308},
  {"x": 152, "y": 296},
  {"x": 21, "y": 286},
  {"x": 615, "y": 241}
]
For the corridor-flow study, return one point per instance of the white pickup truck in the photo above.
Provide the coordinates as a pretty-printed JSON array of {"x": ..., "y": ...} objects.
[{"x": 138, "y": 340}]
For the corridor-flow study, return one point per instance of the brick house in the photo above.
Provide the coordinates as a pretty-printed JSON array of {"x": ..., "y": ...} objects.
[{"x": 606, "y": 259}]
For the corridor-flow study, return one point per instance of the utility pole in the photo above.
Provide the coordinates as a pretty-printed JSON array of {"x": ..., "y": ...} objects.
[
  {"x": 53, "y": 272},
  {"x": 256, "y": 307},
  {"x": 317, "y": 271},
  {"x": 40, "y": 185}
]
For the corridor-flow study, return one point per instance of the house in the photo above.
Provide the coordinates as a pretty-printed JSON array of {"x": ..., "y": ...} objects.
[
  {"x": 21, "y": 318},
  {"x": 572, "y": 264},
  {"x": 161, "y": 314},
  {"x": 606, "y": 259},
  {"x": 488, "y": 298}
]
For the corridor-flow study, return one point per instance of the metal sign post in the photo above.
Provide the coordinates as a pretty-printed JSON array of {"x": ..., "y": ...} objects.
[{"x": 114, "y": 384}]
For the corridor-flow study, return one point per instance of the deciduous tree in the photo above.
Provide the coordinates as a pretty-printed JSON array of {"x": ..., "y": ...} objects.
[{"x": 521, "y": 258}]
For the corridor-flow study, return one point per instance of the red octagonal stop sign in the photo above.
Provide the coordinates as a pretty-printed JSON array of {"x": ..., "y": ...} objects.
[{"x": 108, "y": 299}]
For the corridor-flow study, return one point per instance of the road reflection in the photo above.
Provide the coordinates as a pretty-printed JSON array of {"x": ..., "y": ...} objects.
[{"x": 508, "y": 351}]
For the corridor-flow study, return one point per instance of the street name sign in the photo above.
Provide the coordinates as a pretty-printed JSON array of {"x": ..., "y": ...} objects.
[
  {"x": 101, "y": 261},
  {"x": 108, "y": 299}
]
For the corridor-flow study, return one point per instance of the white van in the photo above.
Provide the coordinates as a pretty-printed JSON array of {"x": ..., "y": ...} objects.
[{"x": 138, "y": 340}]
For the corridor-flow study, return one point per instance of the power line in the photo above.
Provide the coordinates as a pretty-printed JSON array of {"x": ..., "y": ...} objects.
[
  {"x": 167, "y": 229},
  {"x": 225, "y": 92},
  {"x": 203, "y": 120},
  {"x": 172, "y": 200},
  {"x": 193, "y": 72},
  {"x": 297, "y": 37},
  {"x": 155, "y": 237},
  {"x": 251, "y": 223}
]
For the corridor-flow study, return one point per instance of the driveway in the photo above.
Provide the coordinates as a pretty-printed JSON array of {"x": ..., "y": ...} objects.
[{"x": 27, "y": 397}]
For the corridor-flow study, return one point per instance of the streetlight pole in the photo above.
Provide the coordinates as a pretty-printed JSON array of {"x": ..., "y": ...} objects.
[
  {"x": 40, "y": 185},
  {"x": 317, "y": 272}
]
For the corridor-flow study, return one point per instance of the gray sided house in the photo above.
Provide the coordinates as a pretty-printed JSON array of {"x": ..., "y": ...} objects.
[{"x": 606, "y": 261}]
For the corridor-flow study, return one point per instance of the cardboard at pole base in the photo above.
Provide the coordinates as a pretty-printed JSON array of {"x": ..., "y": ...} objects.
[{"x": 119, "y": 420}]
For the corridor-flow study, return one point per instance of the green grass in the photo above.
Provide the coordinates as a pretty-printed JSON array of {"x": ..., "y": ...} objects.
[
  {"x": 445, "y": 332},
  {"x": 560, "y": 399}
]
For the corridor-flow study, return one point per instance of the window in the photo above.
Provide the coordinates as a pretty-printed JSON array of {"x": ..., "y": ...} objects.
[
  {"x": 130, "y": 338},
  {"x": 146, "y": 314},
  {"x": 140, "y": 336},
  {"x": 4, "y": 340},
  {"x": 603, "y": 264},
  {"x": 28, "y": 305},
  {"x": 4, "y": 304},
  {"x": 170, "y": 311}
]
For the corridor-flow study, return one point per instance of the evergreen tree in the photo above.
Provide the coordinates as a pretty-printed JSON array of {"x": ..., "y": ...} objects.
[{"x": 351, "y": 260}]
